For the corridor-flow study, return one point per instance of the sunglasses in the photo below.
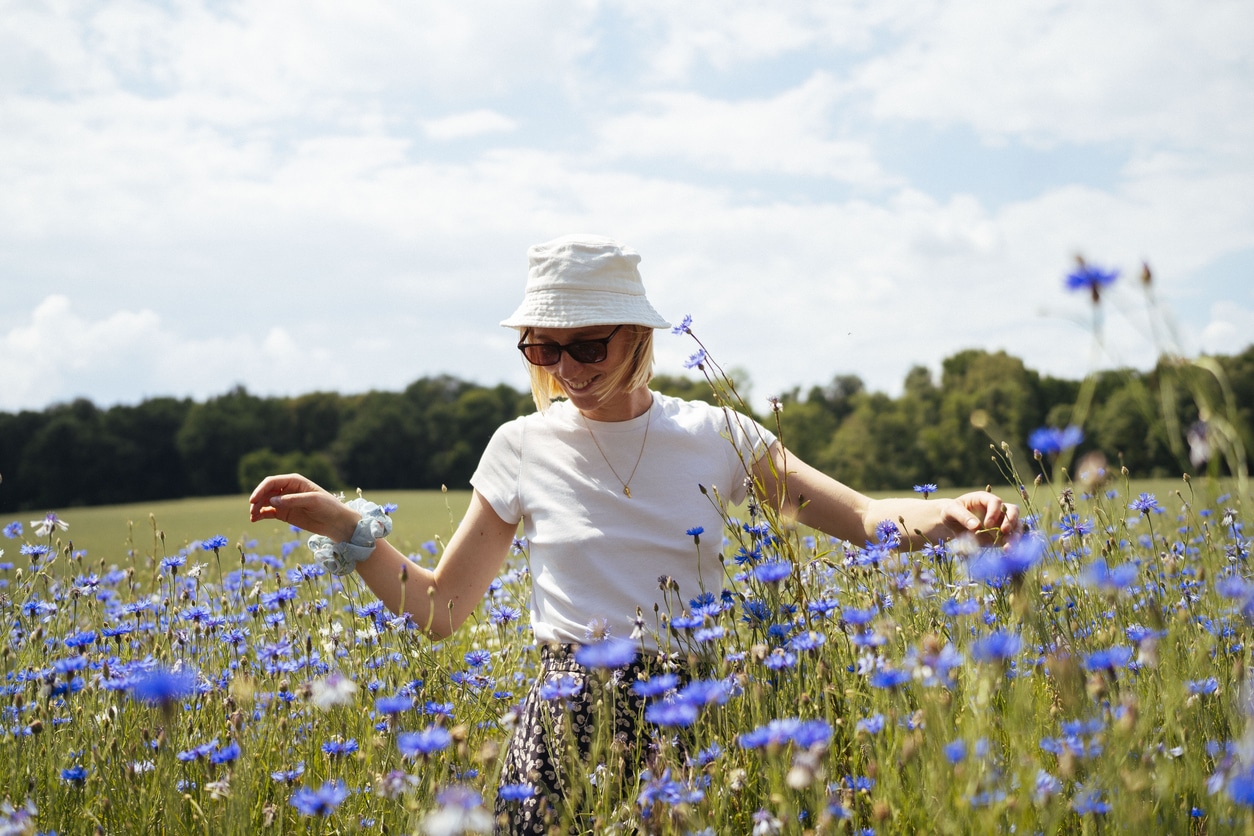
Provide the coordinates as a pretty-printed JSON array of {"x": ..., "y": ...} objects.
[{"x": 584, "y": 351}]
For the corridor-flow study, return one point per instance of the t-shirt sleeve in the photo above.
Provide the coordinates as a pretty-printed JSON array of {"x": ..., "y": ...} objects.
[
  {"x": 497, "y": 477},
  {"x": 750, "y": 441}
]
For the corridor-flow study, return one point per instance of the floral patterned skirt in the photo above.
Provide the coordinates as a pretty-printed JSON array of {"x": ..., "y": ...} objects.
[{"x": 564, "y": 711}]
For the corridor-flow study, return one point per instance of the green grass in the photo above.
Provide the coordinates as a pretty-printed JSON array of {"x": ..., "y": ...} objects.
[
  {"x": 110, "y": 531},
  {"x": 1052, "y": 741}
]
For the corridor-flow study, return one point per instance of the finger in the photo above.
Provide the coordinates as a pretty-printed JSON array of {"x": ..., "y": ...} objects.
[
  {"x": 963, "y": 518},
  {"x": 284, "y": 483},
  {"x": 1010, "y": 521},
  {"x": 993, "y": 512},
  {"x": 279, "y": 506}
]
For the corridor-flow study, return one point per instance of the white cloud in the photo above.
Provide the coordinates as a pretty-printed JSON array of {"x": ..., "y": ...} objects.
[
  {"x": 1229, "y": 331},
  {"x": 274, "y": 194},
  {"x": 470, "y": 124},
  {"x": 788, "y": 134},
  {"x": 1123, "y": 71}
]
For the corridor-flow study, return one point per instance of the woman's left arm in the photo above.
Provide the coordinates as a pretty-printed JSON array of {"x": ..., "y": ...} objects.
[{"x": 817, "y": 500}]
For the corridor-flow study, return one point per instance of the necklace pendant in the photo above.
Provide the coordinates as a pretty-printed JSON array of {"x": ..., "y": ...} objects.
[{"x": 626, "y": 491}]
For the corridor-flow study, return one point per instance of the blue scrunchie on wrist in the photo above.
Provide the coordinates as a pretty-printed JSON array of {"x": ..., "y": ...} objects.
[{"x": 342, "y": 558}]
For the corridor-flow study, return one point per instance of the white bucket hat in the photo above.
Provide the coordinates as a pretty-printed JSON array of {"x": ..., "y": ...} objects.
[{"x": 580, "y": 280}]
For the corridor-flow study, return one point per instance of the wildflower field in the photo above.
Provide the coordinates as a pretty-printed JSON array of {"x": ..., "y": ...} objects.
[{"x": 1089, "y": 676}]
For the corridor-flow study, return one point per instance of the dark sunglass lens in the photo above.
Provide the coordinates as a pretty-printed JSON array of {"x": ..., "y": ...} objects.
[
  {"x": 587, "y": 352},
  {"x": 542, "y": 355}
]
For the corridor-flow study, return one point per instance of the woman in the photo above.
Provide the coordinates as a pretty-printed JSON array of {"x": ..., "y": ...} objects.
[{"x": 606, "y": 484}]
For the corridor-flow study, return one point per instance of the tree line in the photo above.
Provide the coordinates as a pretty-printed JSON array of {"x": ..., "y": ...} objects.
[{"x": 432, "y": 433}]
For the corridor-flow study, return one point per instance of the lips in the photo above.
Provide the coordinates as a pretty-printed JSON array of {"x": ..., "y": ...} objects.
[{"x": 571, "y": 386}]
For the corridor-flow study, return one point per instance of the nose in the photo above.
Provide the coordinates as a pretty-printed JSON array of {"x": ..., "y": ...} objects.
[{"x": 567, "y": 365}]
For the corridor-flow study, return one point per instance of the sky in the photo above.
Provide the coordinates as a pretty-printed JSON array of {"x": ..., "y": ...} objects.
[{"x": 305, "y": 195}]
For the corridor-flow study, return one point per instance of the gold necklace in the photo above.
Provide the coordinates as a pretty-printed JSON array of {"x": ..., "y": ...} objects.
[{"x": 626, "y": 485}]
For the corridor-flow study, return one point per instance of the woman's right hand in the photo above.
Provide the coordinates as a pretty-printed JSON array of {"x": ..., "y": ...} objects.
[{"x": 298, "y": 501}]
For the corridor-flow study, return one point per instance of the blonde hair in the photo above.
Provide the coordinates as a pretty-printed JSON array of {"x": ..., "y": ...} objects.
[{"x": 631, "y": 375}]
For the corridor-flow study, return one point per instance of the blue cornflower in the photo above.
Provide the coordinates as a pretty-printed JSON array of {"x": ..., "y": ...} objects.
[
  {"x": 684, "y": 326},
  {"x": 671, "y": 713},
  {"x": 81, "y": 639},
  {"x": 515, "y": 792},
  {"x": 856, "y": 617},
  {"x": 1051, "y": 441},
  {"x": 226, "y": 754},
  {"x": 1089, "y": 801},
  {"x": 809, "y": 640},
  {"x": 871, "y": 725},
  {"x": 996, "y": 647},
  {"x": 1045, "y": 786},
  {"x": 478, "y": 658},
  {"x": 703, "y": 692},
  {"x": 755, "y": 611},
  {"x": 204, "y": 750},
  {"x": 36, "y": 551},
  {"x": 780, "y": 659},
  {"x": 13, "y": 530},
  {"x": 709, "y": 634},
  {"x": 394, "y": 704},
  {"x": 954, "y": 608},
  {"x": 1087, "y": 277},
  {"x": 161, "y": 686},
  {"x": 695, "y": 533},
  {"x": 994, "y": 566},
  {"x": 609, "y": 653},
  {"x": 887, "y": 533},
  {"x": 687, "y": 622},
  {"x": 214, "y": 543},
  {"x": 926, "y": 489},
  {"x": 320, "y": 802},
  {"x": 655, "y": 686},
  {"x": 1203, "y": 686},
  {"x": 289, "y": 776},
  {"x": 561, "y": 687},
  {"x": 772, "y": 571},
  {"x": 1146, "y": 503},
  {"x": 696, "y": 361},
  {"x": 665, "y": 790},
  {"x": 1109, "y": 659},
  {"x": 173, "y": 562},
  {"x": 956, "y": 751},
  {"x": 74, "y": 775},
  {"x": 504, "y": 614},
  {"x": 708, "y": 755},
  {"x": 1073, "y": 526},
  {"x": 426, "y": 742},
  {"x": 1113, "y": 579},
  {"x": 776, "y": 732},
  {"x": 439, "y": 709},
  {"x": 340, "y": 748},
  {"x": 1240, "y": 786},
  {"x": 889, "y": 678}
]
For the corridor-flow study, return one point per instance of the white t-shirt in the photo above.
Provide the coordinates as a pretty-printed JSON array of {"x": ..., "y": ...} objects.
[{"x": 596, "y": 554}]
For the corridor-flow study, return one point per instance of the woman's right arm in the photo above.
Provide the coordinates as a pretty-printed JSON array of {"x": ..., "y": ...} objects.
[{"x": 438, "y": 601}]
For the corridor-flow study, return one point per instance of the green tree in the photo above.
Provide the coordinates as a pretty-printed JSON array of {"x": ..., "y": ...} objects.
[
  {"x": 382, "y": 443},
  {"x": 217, "y": 433},
  {"x": 257, "y": 465}
]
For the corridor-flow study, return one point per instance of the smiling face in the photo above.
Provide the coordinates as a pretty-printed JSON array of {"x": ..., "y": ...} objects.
[{"x": 612, "y": 390}]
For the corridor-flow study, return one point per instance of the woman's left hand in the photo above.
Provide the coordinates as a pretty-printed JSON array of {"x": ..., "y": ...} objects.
[{"x": 983, "y": 514}]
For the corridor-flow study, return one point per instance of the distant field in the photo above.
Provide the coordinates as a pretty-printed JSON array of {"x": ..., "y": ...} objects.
[{"x": 109, "y": 532}]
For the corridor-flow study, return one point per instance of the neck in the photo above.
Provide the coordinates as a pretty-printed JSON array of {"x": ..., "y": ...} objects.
[{"x": 623, "y": 407}]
